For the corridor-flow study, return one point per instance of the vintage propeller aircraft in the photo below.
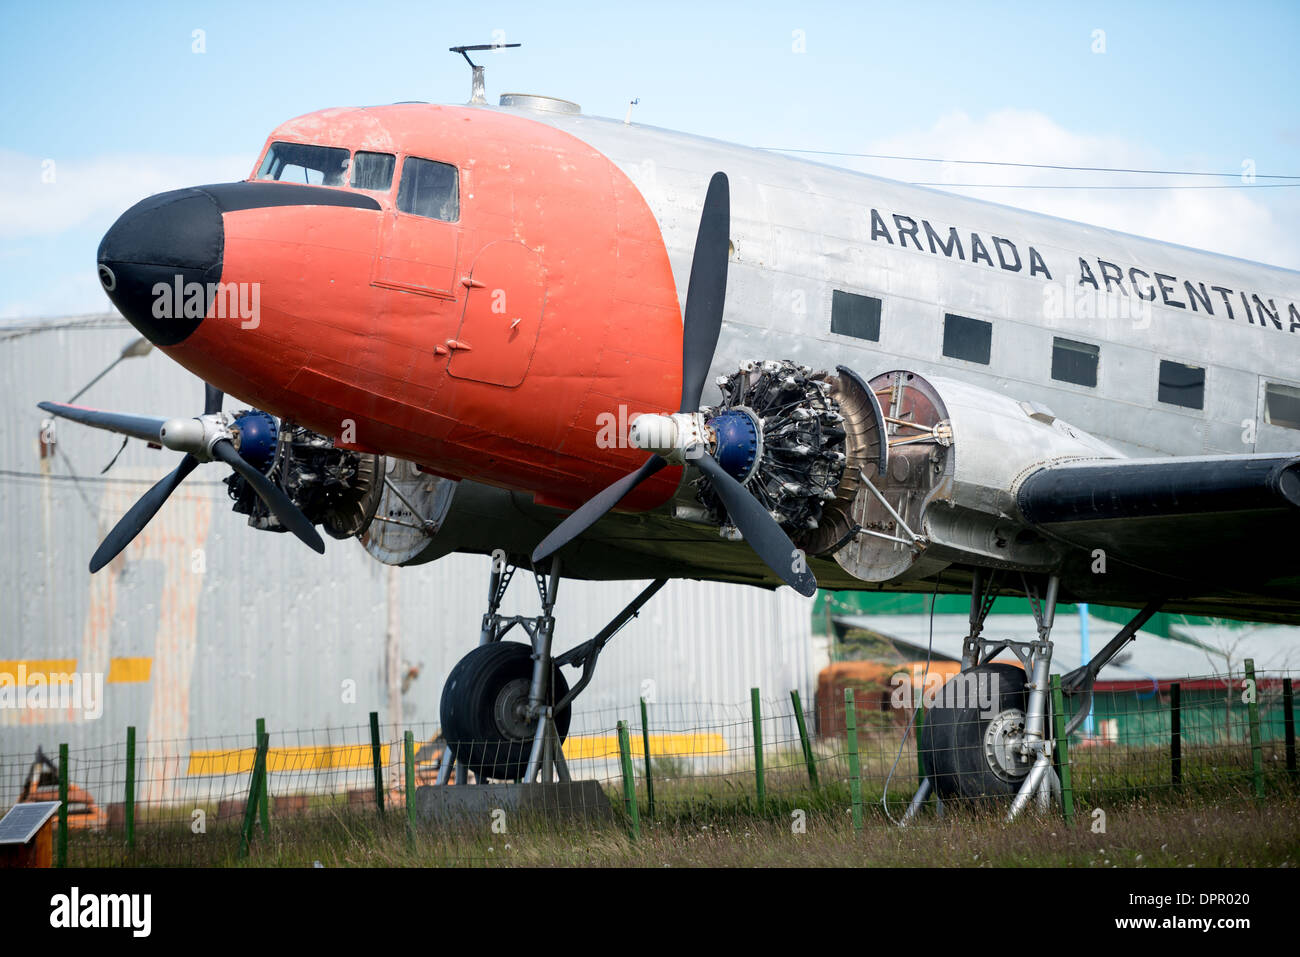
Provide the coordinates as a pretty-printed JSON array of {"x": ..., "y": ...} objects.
[{"x": 461, "y": 328}]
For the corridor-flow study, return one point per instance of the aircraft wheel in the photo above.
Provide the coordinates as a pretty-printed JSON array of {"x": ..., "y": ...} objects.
[
  {"x": 483, "y": 709},
  {"x": 966, "y": 735}
]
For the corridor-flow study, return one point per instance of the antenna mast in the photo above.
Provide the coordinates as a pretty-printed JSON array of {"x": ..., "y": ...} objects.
[{"x": 477, "y": 96}]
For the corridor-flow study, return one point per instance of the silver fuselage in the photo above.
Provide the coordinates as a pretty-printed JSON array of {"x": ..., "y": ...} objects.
[{"x": 802, "y": 229}]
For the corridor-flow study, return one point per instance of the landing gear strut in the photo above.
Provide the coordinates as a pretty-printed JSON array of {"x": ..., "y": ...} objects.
[
  {"x": 990, "y": 733},
  {"x": 506, "y": 706}
]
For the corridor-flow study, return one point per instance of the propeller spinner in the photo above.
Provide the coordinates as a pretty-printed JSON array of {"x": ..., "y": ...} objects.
[{"x": 685, "y": 437}]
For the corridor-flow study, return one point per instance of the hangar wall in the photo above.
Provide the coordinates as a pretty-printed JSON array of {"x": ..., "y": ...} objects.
[{"x": 204, "y": 624}]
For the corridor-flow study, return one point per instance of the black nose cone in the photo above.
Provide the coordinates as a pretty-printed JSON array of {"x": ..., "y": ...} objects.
[{"x": 160, "y": 263}]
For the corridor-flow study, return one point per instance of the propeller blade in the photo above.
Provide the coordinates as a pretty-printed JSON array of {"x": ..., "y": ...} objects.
[
  {"x": 593, "y": 509},
  {"x": 130, "y": 524},
  {"x": 212, "y": 397},
  {"x": 764, "y": 535},
  {"x": 144, "y": 427},
  {"x": 290, "y": 516},
  {"x": 706, "y": 293}
]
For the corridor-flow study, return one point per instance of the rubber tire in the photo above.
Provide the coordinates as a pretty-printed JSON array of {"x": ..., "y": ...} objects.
[
  {"x": 467, "y": 709},
  {"x": 952, "y": 739}
]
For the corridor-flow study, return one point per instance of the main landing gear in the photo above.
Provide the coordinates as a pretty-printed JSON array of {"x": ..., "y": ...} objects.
[
  {"x": 506, "y": 705},
  {"x": 990, "y": 732}
]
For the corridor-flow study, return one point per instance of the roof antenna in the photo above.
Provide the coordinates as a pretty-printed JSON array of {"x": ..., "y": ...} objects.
[{"x": 477, "y": 95}]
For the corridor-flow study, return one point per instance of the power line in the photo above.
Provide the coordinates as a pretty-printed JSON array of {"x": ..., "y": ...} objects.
[
  {"x": 96, "y": 479},
  {"x": 1099, "y": 186},
  {"x": 1057, "y": 166},
  {"x": 87, "y": 322}
]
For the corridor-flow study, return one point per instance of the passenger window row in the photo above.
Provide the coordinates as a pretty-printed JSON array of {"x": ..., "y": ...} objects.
[{"x": 971, "y": 340}]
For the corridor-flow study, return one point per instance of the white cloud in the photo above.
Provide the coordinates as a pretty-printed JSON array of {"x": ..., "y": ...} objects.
[
  {"x": 49, "y": 231},
  {"x": 1234, "y": 222},
  {"x": 95, "y": 191}
]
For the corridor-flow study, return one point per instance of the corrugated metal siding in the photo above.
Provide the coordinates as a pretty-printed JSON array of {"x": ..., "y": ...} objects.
[{"x": 269, "y": 628}]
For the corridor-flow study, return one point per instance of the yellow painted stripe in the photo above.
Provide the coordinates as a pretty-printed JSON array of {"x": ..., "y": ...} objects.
[
  {"x": 358, "y": 756},
  {"x": 681, "y": 745},
  {"x": 240, "y": 760},
  {"x": 35, "y": 666},
  {"x": 129, "y": 670}
]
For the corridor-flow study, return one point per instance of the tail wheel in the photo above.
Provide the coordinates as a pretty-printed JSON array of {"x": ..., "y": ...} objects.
[
  {"x": 969, "y": 736},
  {"x": 484, "y": 709}
]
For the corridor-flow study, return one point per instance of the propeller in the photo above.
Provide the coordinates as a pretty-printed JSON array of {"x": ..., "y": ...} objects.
[
  {"x": 203, "y": 439},
  {"x": 679, "y": 439}
]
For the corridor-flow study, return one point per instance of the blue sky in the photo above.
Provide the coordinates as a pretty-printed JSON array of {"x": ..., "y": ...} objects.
[{"x": 115, "y": 96}]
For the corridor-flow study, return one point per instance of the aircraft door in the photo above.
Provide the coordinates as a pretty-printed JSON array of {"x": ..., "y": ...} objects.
[{"x": 503, "y": 315}]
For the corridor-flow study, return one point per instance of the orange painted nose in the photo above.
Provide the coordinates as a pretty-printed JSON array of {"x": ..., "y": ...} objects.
[{"x": 160, "y": 263}]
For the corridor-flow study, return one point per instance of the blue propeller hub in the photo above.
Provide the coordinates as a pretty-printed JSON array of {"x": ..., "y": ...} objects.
[
  {"x": 258, "y": 434},
  {"x": 738, "y": 443}
]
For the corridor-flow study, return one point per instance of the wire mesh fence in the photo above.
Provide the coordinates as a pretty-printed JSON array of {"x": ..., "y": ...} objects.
[{"x": 213, "y": 800}]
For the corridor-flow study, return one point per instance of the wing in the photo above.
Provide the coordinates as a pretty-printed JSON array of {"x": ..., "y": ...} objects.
[{"x": 1231, "y": 520}]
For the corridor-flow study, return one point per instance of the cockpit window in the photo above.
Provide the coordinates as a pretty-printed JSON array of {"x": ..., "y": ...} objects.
[
  {"x": 429, "y": 189},
  {"x": 301, "y": 163},
  {"x": 373, "y": 171}
]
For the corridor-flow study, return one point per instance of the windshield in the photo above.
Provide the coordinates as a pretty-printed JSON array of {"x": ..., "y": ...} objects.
[{"x": 300, "y": 163}]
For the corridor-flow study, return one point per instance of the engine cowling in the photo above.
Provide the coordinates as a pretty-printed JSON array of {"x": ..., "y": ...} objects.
[{"x": 954, "y": 455}]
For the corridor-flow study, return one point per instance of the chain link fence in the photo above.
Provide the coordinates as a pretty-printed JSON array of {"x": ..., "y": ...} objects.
[{"x": 369, "y": 787}]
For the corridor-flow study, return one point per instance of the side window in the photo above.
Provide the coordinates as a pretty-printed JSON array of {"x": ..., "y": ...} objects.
[
  {"x": 429, "y": 189},
  {"x": 1181, "y": 385},
  {"x": 1282, "y": 405},
  {"x": 854, "y": 315},
  {"x": 373, "y": 171},
  {"x": 966, "y": 338},
  {"x": 1075, "y": 362}
]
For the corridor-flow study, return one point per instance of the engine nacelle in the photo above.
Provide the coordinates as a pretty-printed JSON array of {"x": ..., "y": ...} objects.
[{"x": 954, "y": 455}]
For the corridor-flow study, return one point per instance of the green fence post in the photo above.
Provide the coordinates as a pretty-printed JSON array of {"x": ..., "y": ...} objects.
[
  {"x": 1288, "y": 724},
  {"x": 855, "y": 773},
  {"x": 254, "y": 794},
  {"x": 409, "y": 741},
  {"x": 1176, "y": 734},
  {"x": 649, "y": 781},
  {"x": 629, "y": 785},
  {"x": 63, "y": 807},
  {"x": 808, "y": 758},
  {"x": 1063, "y": 752},
  {"x": 756, "y": 707},
  {"x": 375, "y": 757},
  {"x": 1256, "y": 747},
  {"x": 128, "y": 807},
  {"x": 916, "y": 731},
  {"x": 264, "y": 797}
]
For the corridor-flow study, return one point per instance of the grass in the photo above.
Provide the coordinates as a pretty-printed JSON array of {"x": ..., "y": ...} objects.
[{"x": 715, "y": 821}]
